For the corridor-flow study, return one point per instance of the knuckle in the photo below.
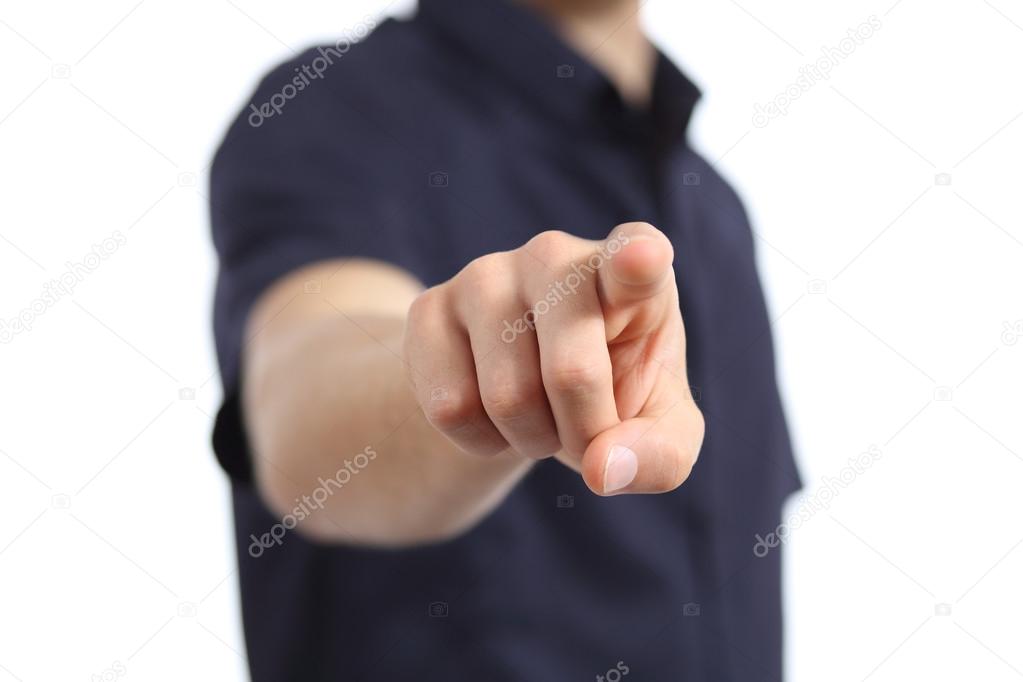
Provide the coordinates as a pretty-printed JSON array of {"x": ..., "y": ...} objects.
[
  {"x": 484, "y": 280},
  {"x": 483, "y": 269},
  {"x": 549, "y": 241},
  {"x": 573, "y": 376},
  {"x": 450, "y": 410},
  {"x": 509, "y": 402},
  {"x": 425, "y": 304}
]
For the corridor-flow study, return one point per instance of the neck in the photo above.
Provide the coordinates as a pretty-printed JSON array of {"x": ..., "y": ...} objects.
[{"x": 608, "y": 33}]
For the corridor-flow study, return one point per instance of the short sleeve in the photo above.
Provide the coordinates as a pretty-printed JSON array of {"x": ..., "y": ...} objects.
[{"x": 295, "y": 180}]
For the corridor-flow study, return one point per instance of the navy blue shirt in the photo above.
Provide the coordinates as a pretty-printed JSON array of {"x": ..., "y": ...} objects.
[{"x": 467, "y": 130}]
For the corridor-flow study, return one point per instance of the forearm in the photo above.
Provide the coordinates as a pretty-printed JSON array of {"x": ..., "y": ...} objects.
[
  {"x": 335, "y": 386},
  {"x": 329, "y": 399}
]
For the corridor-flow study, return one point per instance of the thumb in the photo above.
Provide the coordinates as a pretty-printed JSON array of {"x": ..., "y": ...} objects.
[
  {"x": 637, "y": 275},
  {"x": 647, "y": 454}
]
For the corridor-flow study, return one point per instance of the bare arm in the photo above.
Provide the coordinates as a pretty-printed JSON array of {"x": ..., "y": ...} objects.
[{"x": 323, "y": 381}]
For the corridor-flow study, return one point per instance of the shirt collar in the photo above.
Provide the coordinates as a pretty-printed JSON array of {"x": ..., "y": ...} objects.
[{"x": 521, "y": 47}]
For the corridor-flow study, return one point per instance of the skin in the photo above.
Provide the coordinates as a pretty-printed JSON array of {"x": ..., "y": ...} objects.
[
  {"x": 607, "y": 33},
  {"x": 455, "y": 395}
]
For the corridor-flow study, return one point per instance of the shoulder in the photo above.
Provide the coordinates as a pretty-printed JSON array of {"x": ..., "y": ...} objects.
[
  {"x": 367, "y": 77},
  {"x": 375, "y": 102},
  {"x": 366, "y": 64}
]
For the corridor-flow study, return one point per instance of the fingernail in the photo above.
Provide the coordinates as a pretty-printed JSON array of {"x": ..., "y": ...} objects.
[{"x": 620, "y": 468}]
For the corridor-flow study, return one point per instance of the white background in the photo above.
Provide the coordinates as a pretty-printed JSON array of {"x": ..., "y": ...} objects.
[{"x": 115, "y": 538}]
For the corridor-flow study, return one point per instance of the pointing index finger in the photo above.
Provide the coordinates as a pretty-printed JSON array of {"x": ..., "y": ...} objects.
[{"x": 636, "y": 286}]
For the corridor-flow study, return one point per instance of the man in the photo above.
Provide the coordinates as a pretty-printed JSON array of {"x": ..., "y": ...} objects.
[{"x": 453, "y": 355}]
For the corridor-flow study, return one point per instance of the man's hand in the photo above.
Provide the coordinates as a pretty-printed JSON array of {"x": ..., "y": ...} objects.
[{"x": 563, "y": 347}]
